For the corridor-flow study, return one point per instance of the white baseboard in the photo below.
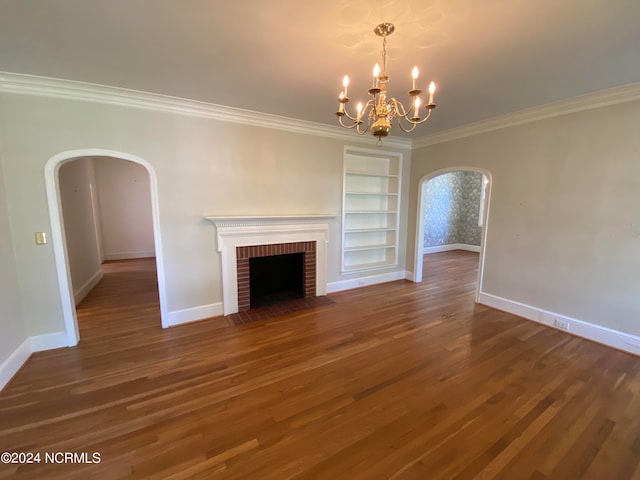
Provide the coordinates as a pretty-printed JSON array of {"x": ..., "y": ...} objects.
[
  {"x": 452, "y": 246},
  {"x": 409, "y": 276},
  {"x": 82, "y": 292},
  {"x": 129, "y": 255},
  {"x": 20, "y": 355},
  {"x": 364, "y": 281},
  {"x": 11, "y": 365},
  {"x": 193, "y": 314},
  {"x": 49, "y": 341},
  {"x": 596, "y": 333}
]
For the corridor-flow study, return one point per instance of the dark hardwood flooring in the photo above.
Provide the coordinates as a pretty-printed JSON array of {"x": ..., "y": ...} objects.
[{"x": 395, "y": 381}]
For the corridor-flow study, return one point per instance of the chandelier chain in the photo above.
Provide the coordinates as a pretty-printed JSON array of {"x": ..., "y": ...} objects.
[{"x": 384, "y": 55}]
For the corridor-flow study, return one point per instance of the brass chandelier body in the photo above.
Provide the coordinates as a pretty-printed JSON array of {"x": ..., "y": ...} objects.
[{"x": 379, "y": 111}]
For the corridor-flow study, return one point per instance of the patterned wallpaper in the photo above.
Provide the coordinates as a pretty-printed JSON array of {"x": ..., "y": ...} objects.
[
  {"x": 452, "y": 207},
  {"x": 468, "y": 228}
]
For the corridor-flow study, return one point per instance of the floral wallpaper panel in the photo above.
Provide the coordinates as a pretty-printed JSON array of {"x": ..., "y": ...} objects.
[{"x": 452, "y": 203}]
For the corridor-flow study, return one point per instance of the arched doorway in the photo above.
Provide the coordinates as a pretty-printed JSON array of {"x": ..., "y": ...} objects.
[
  {"x": 420, "y": 223},
  {"x": 52, "y": 168}
]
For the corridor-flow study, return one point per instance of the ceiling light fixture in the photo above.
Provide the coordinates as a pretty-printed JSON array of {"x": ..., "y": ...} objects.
[{"x": 379, "y": 111}]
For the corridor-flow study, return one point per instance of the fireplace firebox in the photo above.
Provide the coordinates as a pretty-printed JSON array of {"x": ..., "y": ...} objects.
[
  {"x": 275, "y": 279},
  {"x": 269, "y": 274}
]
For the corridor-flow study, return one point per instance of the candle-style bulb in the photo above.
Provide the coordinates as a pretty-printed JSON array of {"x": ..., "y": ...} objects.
[
  {"x": 416, "y": 105},
  {"x": 345, "y": 81},
  {"x": 414, "y": 75},
  {"x": 359, "y": 109},
  {"x": 432, "y": 89},
  {"x": 376, "y": 73}
]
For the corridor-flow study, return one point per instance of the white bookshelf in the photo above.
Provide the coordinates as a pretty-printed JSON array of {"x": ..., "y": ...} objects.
[{"x": 370, "y": 210}]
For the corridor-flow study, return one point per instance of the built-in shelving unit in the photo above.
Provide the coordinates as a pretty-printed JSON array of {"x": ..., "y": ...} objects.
[{"x": 370, "y": 209}]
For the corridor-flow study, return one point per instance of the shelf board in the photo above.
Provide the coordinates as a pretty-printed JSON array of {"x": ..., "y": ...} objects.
[
  {"x": 369, "y": 174},
  {"x": 373, "y": 194},
  {"x": 369, "y": 247},
  {"x": 367, "y": 230},
  {"x": 371, "y": 211},
  {"x": 367, "y": 266}
]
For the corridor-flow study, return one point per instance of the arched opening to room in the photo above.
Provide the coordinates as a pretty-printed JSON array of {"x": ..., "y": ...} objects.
[
  {"x": 104, "y": 212},
  {"x": 453, "y": 206}
]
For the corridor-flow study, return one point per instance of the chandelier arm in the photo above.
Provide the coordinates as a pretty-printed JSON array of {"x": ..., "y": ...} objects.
[
  {"x": 401, "y": 113},
  {"x": 397, "y": 105},
  {"x": 353, "y": 125},
  {"x": 407, "y": 130},
  {"x": 370, "y": 104},
  {"x": 429, "y": 110},
  {"x": 362, "y": 113},
  {"x": 366, "y": 113},
  {"x": 374, "y": 104},
  {"x": 356, "y": 125},
  {"x": 412, "y": 122},
  {"x": 424, "y": 119},
  {"x": 346, "y": 114},
  {"x": 400, "y": 110},
  {"x": 362, "y": 132}
]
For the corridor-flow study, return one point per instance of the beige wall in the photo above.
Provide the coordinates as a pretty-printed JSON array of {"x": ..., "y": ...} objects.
[
  {"x": 203, "y": 167},
  {"x": 12, "y": 331},
  {"x": 125, "y": 216},
  {"x": 76, "y": 179},
  {"x": 564, "y": 220}
]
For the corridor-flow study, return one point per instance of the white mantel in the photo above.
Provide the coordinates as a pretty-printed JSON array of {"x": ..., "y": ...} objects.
[
  {"x": 244, "y": 231},
  {"x": 248, "y": 220}
]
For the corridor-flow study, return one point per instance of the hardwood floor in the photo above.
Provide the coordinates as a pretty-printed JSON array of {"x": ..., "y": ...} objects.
[{"x": 400, "y": 381}]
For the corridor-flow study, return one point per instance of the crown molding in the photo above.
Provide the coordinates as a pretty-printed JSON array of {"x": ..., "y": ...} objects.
[
  {"x": 602, "y": 98},
  {"x": 17, "y": 83},
  {"x": 33, "y": 85}
]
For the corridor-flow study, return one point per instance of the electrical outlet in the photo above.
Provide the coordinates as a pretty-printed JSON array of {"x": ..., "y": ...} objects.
[{"x": 561, "y": 324}]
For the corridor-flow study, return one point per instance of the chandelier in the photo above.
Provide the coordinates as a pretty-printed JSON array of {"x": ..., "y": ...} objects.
[{"x": 379, "y": 111}]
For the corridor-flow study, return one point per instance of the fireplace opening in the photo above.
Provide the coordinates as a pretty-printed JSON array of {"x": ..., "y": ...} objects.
[
  {"x": 304, "y": 275},
  {"x": 276, "y": 278}
]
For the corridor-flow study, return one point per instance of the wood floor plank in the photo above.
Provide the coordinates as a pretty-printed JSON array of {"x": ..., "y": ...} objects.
[{"x": 398, "y": 380}]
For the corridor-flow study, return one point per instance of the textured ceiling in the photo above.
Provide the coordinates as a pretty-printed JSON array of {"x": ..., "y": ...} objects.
[{"x": 287, "y": 57}]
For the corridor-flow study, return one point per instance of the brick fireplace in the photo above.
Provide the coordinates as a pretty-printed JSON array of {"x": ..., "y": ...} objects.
[
  {"x": 245, "y": 254},
  {"x": 241, "y": 238}
]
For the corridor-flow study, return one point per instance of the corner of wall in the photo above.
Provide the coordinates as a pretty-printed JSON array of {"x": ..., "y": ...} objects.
[
  {"x": 605, "y": 336},
  {"x": 12, "y": 365},
  {"x": 84, "y": 290}
]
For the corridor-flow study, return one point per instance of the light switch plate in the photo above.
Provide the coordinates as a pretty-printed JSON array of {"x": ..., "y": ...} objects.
[{"x": 41, "y": 238}]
